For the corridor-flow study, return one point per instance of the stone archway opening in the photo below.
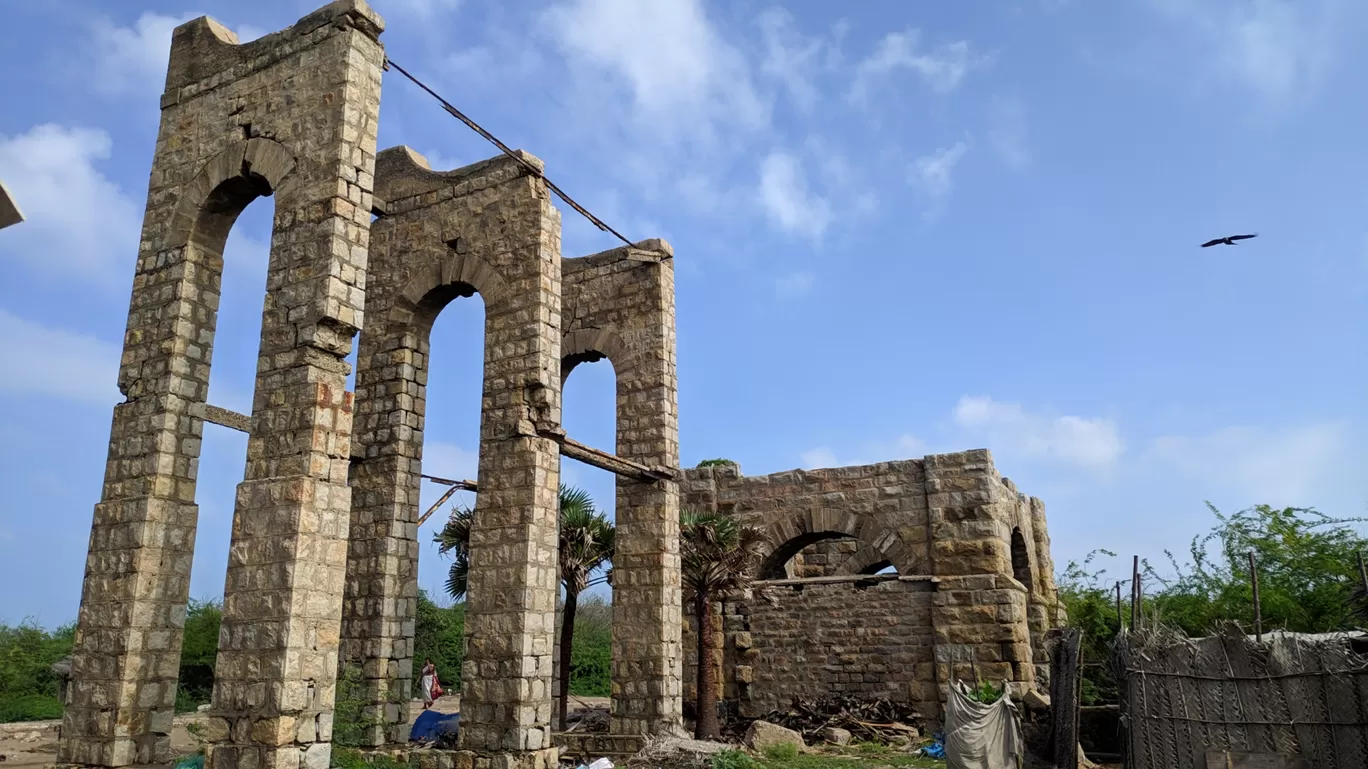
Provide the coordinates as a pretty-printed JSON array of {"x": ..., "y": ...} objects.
[
  {"x": 1021, "y": 559},
  {"x": 589, "y": 412}
]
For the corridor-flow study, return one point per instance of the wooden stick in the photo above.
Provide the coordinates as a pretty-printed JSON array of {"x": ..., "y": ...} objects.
[
  {"x": 1258, "y": 611},
  {"x": 1119, "y": 624},
  {"x": 1135, "y": 593},
  {"x": 447, "y": 495}
]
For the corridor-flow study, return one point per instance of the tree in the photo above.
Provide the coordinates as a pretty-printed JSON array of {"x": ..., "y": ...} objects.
[
  {"x": 1307, "y": 563},
  {"x": 717, "y": 554},
  {"x": 586, "y": 541}
]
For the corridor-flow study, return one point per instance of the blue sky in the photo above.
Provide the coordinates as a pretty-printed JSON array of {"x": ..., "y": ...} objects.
[{"x": 900, "y": 228}]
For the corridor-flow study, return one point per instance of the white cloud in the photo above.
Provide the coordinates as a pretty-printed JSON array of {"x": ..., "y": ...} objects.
[
  {"x": 1273, "y": 466},
  {"x": 58, "y": 363},
  {"x": 1276, "y": 48},
  {"x": 1089, "y": 443},
  {"x": 1008, "y": 134},
  {"x": 819, "y": 457},
  {"x": 791, "y": 57},
  {"x": 941, "y": 69},
  {"x": 132, "y": 59},
  {"x": 904, "y": 447},
  {"x": 80, "y": 224},
  {"x": 680, "y": 72},
  {"x": 794, "y": 284},
  {"x": 933, "y": 175},
  {"x": 447, "y": 460},
  {"x": 785, "y": 196}
]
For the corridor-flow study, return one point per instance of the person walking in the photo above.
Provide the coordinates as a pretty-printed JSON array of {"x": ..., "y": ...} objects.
[{"x": 428, "y": 683}]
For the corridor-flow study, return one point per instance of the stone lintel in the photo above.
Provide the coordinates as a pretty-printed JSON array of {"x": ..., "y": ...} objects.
[{"x": 222, "y": 417}]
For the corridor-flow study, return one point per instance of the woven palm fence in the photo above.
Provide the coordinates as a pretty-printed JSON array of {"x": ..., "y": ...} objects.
[{"x": 1291, "y": 694}]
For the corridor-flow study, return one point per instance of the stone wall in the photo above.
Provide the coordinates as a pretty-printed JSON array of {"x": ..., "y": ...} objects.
[
  {"x": 862, "y": 639},
  {"x": 950, "y": 519}
]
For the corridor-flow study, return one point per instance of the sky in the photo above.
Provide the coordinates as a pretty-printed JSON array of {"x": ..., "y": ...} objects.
[{"x": 899, "y": 229}]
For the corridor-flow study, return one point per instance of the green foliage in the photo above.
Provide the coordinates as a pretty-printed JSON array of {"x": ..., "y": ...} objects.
[
  {"x": 985, "y": 692},
  {"x": 1307, "y": 566},
  {"x": 1308, "y": 574},
  {"x": 591, "y": 649},
  {"x": 349, "y": 721},
  {"x": 439, "y": 635},
  {"x": 199, "y": 652},
  {"x": 734, "y": 759},
  {"x": 717, "y": 463},
  {"x": 1091, "y": 606},
  {"x": 28, "y": 687},
  {"x": 781, "y": 752}
]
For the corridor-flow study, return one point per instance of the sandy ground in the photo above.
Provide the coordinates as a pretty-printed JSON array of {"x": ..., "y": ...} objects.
[{"x": 34, "y": 744}]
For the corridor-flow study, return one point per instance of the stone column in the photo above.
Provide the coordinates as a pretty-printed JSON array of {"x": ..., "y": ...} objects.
[
  {"x": 488, "y": 228},
  {"x": 227, "y": 136},
  {"x": 647, "y": 662},
  {"x": 978, "y": 610}
]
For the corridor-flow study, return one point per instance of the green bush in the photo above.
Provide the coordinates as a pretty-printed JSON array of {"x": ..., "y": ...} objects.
[
  {"x": 439, "y": 635},
  {"x": 734, "y": 759},
  {"x": 591, "y": 655},
  {"x": 28, "y": 687},
  {"x": 784, "y": 752}
]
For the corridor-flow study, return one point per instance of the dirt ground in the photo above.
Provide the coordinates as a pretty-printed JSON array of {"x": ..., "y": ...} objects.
[{"x": 33, "y": 744}]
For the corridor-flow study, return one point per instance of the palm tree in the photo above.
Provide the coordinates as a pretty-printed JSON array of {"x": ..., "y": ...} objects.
[
  {"x": 717, "y": 554},
  {"x": 586, "y": 545}
]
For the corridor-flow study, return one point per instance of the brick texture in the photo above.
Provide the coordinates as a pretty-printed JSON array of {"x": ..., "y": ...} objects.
[{"x": 292, "y": 115}]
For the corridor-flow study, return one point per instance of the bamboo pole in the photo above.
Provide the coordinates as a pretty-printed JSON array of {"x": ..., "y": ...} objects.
[
  {"x": 1258, "y": 611},
  {"x": 1135, "y": 593}
]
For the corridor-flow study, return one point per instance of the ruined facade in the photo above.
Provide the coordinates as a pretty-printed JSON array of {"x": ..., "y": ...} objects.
[
  {"x": 884, "y": 580},
  {"x": 322, "y": 571},
  {"x": 322, "y": 566}
]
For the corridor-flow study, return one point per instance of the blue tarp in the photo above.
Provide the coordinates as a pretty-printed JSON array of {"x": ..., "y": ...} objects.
[{"x": 429, "y": 725}]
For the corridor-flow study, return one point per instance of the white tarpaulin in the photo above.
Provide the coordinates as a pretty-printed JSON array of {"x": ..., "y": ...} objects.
[{"x": 979, "y": 736}]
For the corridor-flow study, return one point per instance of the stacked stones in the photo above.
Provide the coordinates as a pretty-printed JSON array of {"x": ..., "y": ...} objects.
[{"x": 294, "y": 115}]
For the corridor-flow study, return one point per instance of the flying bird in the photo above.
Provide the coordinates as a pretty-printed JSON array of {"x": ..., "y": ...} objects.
[{"x": 1229, "y": 241}]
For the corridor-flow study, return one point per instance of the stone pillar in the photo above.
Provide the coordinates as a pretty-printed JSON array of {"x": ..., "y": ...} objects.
[
  {"x": 979, "y": 610},
  {"x": 228, "y": 135},
  {"x": 488, "y": 228},
  {"x": 620, "y": 305},
  {"x": 647, "y": 658}
]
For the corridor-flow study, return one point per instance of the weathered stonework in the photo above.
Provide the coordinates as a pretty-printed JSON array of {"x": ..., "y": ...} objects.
[
  {"x": 619, "y": 305},
  {"x": 948, "y": 519},
  {"x": 491, "y": 228},
  {"x": 293, "y": 116}
]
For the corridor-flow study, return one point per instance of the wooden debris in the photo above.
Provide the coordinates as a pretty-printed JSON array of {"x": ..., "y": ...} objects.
[{"x": 881, "y": 721}]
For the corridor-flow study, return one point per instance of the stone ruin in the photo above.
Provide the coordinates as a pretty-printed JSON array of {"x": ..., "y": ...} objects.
[
  {"x": 322, "y": 567},
  {"x": 881, "y": 581}
]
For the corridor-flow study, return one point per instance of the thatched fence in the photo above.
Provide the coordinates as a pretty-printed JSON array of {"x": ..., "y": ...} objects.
[{"x": 1290, "y": 694}]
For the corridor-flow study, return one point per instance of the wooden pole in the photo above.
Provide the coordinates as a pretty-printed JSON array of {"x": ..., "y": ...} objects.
[
  {"x": 1119, "y": 624},
  {"x": 1065, "y": 686},
  {"x": 1258, "y": 612},
  {"x": 1135, "y": 593}
]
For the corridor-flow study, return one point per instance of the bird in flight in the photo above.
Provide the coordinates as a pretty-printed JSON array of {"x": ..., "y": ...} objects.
[{"x": 1230, "y": 241}]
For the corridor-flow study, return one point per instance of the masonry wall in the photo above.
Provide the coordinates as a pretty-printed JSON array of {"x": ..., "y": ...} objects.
[
  {"x": 871, "y": 641},
  {"x": 950, "y": 520}
]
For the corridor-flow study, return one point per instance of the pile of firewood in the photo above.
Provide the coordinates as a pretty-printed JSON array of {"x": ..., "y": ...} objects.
[{"x": 881, "y": 721}]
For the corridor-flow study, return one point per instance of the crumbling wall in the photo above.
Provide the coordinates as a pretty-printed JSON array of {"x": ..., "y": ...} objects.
[{"x": 950, "y": 518}]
